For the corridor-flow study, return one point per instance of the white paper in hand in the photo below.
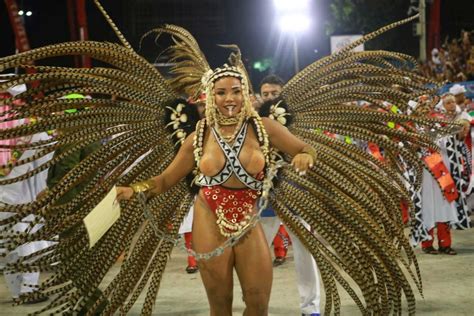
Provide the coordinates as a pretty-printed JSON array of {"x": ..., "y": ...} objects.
[{"x": 102, "y": 217}]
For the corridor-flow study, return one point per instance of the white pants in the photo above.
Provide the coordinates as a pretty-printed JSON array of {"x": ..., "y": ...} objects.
[
  {"x": 307, "y": 275},
  {"x": 19, "y": 283}
]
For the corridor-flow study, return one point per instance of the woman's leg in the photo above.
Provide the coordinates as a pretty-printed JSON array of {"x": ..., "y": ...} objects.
[
  {"x": 254, "y": 267},
  {"x": 217, "y": 272}
]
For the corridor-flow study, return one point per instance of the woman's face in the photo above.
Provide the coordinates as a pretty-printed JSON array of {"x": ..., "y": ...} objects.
[{"x": 228, "y": 96}]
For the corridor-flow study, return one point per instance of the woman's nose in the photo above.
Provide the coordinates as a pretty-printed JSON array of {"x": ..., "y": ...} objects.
[{"x": 229, "y": 97}]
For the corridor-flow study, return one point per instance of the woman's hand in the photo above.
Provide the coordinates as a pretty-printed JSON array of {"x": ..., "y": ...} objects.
[
  {"x": 304, "y": 155},
  {"x": 124, "y": 193},
  {"x": 302, "y": 162}
]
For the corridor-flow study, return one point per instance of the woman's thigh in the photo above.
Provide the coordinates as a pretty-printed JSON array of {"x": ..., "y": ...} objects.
[
  {"x": 217, "y": 272},
  {"x": 254, "y": 265}
]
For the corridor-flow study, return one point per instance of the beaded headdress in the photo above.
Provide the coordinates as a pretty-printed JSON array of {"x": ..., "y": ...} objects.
[
  {"x": 219, "y": 72},
  {"x": 212, "y": 114}
]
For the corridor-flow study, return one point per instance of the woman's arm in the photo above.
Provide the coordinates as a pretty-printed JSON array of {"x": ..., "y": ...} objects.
[
  {"x": 181, "y": 166},
  {"x": 304, "y": 155}
]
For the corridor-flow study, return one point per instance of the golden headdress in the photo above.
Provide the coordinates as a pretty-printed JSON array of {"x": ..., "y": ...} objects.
[{"x": 192, "y": 75}]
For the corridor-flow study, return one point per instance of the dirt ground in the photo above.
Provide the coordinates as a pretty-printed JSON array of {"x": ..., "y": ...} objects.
[{"x": 448, "y": 287}]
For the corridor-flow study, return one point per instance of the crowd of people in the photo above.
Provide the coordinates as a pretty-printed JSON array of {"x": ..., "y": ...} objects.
[{"x": 453, "y": 61}]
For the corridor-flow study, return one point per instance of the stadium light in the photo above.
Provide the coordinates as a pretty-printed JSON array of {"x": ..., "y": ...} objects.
[
  {"x": 293, "y": 19},
  {"x": 295, "y": 23},
  {"x": 291, "y": 5}
]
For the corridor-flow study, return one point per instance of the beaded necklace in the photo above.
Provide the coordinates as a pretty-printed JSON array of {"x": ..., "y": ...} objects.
[{"x": 228, "y": 121}]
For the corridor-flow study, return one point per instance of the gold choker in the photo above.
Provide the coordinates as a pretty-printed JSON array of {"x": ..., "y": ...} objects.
[{"x": 225, "y": 121}]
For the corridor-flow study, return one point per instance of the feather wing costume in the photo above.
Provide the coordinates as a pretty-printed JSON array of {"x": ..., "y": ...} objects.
[{"x": 350, "y": 199}]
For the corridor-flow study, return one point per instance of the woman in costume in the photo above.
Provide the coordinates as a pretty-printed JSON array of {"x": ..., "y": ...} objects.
[
  {"x": 349, "y": 198},
  {"x": 230, "y": 149}
]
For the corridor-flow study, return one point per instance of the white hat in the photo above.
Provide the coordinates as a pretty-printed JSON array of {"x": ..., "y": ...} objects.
[
  {"x": 15, "y": 90},
  {"x": 457, "y": 89},
  {"x": 434, "y": 51},
  {"x": 412, "y": 104}
]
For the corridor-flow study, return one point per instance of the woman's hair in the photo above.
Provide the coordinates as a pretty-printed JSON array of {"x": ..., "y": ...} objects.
[{"x": 219, "y": 73}]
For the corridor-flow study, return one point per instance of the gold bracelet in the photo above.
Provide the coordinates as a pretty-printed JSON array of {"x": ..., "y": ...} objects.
[
  {"x": 310, "y": 151},
  {"x": 143, "y": 186}
]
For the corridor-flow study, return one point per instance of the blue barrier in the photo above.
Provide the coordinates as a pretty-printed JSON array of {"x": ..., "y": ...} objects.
[{"x": 469, "y": 85}]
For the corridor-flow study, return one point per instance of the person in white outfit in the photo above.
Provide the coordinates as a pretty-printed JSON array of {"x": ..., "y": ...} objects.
[
  {"x": 437, "y": 212},
  {"x": 19, "y": 193},
  {"x": 307, "y": 276}
]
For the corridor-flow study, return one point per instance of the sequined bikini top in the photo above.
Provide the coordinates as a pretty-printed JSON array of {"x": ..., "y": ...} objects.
[{"x": 232, "y": 165}]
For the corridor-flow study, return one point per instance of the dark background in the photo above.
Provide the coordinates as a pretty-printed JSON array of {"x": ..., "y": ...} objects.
[{"x": 251, "y": 24}]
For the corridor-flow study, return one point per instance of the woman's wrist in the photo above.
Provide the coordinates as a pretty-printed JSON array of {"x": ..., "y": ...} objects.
[
  {"x": 143, "y": 186},
  {"x": 309, "y": 150}
]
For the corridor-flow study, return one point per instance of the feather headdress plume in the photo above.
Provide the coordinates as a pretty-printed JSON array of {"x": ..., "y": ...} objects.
[{"x": 190, "y": 64}]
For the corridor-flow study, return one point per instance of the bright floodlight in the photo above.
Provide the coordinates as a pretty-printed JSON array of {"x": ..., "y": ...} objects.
[
  {"x": 294, "y": 23},
  {"x": 21, "y": 12},
  {"x": 29, "y": 13},
  {"x": 291, "y": 5}
]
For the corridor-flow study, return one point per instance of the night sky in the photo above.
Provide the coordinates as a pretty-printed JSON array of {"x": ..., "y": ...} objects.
[{"x": 251, "y": 24}]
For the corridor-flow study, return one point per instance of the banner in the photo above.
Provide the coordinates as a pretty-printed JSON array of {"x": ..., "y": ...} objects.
[{"x": 340, "y": 41}]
